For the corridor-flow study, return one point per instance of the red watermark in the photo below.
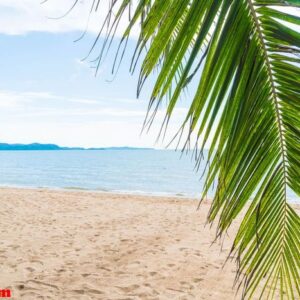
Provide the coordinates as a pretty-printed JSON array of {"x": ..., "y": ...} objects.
[{"x": 5, "y": 293}]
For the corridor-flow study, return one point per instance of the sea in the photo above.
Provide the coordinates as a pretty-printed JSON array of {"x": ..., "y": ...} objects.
[{"x": 157, "y": 172}]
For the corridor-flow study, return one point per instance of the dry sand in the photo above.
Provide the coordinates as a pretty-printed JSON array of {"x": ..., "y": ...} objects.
[{"x": 88, "y": 245}]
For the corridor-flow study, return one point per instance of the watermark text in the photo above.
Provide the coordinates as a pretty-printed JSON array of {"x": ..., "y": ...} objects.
[{"x": 5, "y": 293}]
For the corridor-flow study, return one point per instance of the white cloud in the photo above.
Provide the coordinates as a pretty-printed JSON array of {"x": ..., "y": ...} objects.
[
  {"x": 16, "y": 99},
  {"x": 44, "y": 117},
  {"x": 47, "y": 104},
  {"x": 23, "y": 16}
]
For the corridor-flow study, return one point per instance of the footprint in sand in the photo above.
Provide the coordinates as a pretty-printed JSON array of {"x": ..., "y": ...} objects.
[
  {"x": 38, "y": 283},
  {"x": 81, "y": 292},
  {"x": 196, "y": 280},
  {"x": 93, "y": 291},
  {"x": 37, "y": 261},
  {"x": 29, "y": 269},
  {"x": 20, "y": 287},
  {"x": 128, "y": 289},
  {"x": 105, "y": 269},
  {"x": 30, "y": 295},
  {"x": 125, "y": 240}
]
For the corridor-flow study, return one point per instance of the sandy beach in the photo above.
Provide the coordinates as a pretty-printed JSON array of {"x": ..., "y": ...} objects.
[{"x": 88, "y": 245}]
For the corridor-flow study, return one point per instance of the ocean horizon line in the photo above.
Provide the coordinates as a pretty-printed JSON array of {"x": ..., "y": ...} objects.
[
  {"x": 54, "y": 147},
  {"x": 36, "y": 146}
]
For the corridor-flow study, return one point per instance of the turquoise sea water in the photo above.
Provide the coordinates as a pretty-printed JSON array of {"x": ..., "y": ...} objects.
[
  {"x": 132, "y": 171},
  {"x": 137, "y": 171}
]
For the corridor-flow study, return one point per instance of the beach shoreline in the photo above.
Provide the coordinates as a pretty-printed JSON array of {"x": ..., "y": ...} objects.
[
  {"x": 106, "y": 191},
  {"x": 61, "y": 244}
]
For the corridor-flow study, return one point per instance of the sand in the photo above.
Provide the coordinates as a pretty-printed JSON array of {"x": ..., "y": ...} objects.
[{"x": 89, "y": 245}]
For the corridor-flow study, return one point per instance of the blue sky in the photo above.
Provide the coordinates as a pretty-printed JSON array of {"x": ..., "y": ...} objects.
[{"x": 48, "y": 95}]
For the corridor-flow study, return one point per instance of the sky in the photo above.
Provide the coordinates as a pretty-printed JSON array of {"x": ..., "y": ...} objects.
[{"x": 49, "y": 95}]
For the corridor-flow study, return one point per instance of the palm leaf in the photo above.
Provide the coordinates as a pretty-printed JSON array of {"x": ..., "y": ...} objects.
[{"x": 246, "y": 54}]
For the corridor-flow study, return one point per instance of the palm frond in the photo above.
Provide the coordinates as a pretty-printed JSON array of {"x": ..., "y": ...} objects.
[{"x": 247, "y": 56}]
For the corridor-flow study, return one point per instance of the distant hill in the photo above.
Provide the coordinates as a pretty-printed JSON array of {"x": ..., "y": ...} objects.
[{"x": 37, "y": 146}]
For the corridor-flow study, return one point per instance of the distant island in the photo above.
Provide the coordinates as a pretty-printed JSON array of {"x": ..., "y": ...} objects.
[{"x": 37, "y": 146}]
